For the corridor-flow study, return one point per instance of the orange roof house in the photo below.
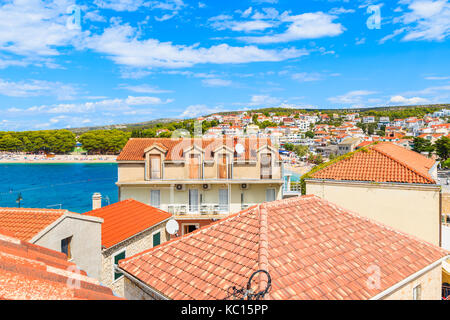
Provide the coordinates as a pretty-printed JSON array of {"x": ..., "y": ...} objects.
[
  {"x": 382, "y": 162},
  {"x": 32, "y": 272},
  {"x": 312, "y": 249},
  {"x": 51, "y": 228},
  {"x": 125, "y": 219},
  {"x": 387, "y": 183},
  {"x": 129, "y": 227}
]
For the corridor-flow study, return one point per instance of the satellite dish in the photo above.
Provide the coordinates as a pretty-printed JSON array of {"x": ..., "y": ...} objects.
[
  {"x": 172, "y": 226},
  {"x": 240, "y": 148}
]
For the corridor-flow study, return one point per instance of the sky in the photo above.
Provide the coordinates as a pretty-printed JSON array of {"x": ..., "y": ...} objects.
[{"x": 74, "y": 63}]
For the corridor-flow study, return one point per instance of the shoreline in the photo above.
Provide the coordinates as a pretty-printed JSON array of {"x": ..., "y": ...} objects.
[{"x": 55, "y": 161}]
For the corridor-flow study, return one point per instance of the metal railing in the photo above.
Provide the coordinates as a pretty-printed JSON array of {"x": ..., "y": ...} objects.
[{"x": 202, "y": 209}]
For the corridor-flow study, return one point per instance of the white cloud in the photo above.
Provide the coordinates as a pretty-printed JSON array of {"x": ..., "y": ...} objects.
[
  {"x": 426, "y": 20},
  {"x": 263, "y": 100},
  {"x": 144, "y": 88},
  {"x": 408, "y": 101},
  {"x": 121, "y": 43},
  {"x": 352, "y": 97},
  {"x": 437, "y": 78},
  {"x": 303, "y": 26},
  {"x": 307, "y": 77},
  {"x": 341, "y": 10},
  {"x": 198, "y": 110},
  {"x": 34, "y": 88},
  {"x": 118, "y": 105},
  {"x": 216, "y": 82},
  {"x": 119, "y": 5},
  {"x": 35, "y": 28}
]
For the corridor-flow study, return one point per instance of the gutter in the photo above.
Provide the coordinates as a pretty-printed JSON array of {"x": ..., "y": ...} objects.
[
  {"x": 409, "y": 279},
  {"x": 436, "y": 186},
  {"x": 141, "y": 284}
]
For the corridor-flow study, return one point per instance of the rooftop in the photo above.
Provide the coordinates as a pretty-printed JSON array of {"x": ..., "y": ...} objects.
[
  {"x": 125, "y": 219},
  {"x": 134, "y": 149},
  {"x": 313, "y": 249},
  {"x": 382, "y": 162},
  {"x": 25, "y": 223},
  {"x": 31, "y": 272}
]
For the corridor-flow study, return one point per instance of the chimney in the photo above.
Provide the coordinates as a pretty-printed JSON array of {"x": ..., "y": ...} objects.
[{"x": 96, "y": 201}]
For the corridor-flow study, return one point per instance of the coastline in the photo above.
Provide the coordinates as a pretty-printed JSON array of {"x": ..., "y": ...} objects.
[{"x": 57, "y": 159}]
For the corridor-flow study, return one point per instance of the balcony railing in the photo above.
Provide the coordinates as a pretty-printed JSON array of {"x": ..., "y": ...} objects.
[
  {"x": 202, "y": 209},
  {"x": 446, "y": 291}
]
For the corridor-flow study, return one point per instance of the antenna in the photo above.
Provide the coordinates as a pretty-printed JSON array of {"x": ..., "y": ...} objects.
[
  {"x": 172, "y": 227},
  {"x": 247, "y": 292}
]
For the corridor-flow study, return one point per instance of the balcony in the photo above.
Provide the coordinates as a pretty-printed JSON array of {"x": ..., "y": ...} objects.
[{"x": 206, "y": 211}]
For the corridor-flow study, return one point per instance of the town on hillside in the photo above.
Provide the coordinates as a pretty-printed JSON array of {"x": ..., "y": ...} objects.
[{"x": 258, "y": 206}]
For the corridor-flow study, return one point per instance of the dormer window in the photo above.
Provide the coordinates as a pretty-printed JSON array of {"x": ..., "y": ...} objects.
[
  {"x": 266, "y": 166},
  {"x": 155, "y": 166}
]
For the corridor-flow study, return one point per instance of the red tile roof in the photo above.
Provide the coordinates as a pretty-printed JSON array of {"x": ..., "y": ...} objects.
[
  {"x": 312, "y": 249},
  {"x": 32, "y": 272},
  {"x": 134, "y": 149},
  {"x": 25, "y": 223},
  {"x": 125, "y": 219},
  {"x": 382, "y": 162}
]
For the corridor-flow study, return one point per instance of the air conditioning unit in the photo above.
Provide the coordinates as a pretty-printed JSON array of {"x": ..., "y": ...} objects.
[
  {"x": 206, "y": 186},
  {"x": 244, "y": 186},
  {"x": 179, "y": 187}
]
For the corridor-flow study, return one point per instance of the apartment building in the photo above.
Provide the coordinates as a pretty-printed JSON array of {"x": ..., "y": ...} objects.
[{"x": 200, "y": 180}]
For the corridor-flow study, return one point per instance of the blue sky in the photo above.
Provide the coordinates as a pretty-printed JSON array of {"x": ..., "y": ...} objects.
[{"x": 126, "y": 61}]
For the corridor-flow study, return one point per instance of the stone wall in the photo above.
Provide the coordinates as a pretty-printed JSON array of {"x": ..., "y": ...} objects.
[{"x": 132, "y": 246}]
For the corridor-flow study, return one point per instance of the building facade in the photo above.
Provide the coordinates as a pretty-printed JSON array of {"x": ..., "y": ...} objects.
[{"x": 200, "y": 180}]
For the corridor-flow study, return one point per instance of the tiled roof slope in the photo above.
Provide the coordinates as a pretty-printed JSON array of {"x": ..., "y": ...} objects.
[
  {"x": 125, "y": 219},
  {"x": 32, "y": 272},
  {"x": 382, "y": 162},
  {"x": 25, "y": 223},
  {"x": 315, "y": 250},
  {"x": 134, "y": 149}
]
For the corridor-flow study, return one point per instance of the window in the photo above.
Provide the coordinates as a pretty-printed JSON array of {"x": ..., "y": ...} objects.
[
  {"x": 66, "y": 248},
  {"x": 417, "y": 292},
  {"x": 155, "y": 198},
  {"x": 224, "y": 167},
  {"x": 193, "y": 200},
  {"x": 155, "y": 167},
  {"x": 270, "y": 195},
  {"x": 116, "y": 258},
  {"x": 156, "y": 239},
  {"x": 223, "y": 200},
  {"x": 266, "y": 166},
  {"x": 187, "y": 228},
  {"x": 194, "y": 166}
]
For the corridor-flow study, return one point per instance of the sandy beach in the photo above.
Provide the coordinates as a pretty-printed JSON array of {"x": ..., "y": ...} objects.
[{"x": 30, "y": 158}]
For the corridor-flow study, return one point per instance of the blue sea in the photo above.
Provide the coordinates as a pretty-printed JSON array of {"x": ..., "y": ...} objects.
[{"x": 67, "y": 186}]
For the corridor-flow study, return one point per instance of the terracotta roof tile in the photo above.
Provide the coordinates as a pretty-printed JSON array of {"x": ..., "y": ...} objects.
[
  {"x": 32, "y": 272},
  {"x": 125, "y": 219},
  {"x": 134, "y": 149},
  {"x": 315, "y": 250},
  {"x": 382, "y": 162},
  {"x": 25, "y": 223}
]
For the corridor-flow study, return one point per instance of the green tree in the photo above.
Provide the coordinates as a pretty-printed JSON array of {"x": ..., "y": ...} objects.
[
  {"x": 309, "y": 134},
  {"x": 422, "y": 145},
  {"x": 442, "y": 147}
]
